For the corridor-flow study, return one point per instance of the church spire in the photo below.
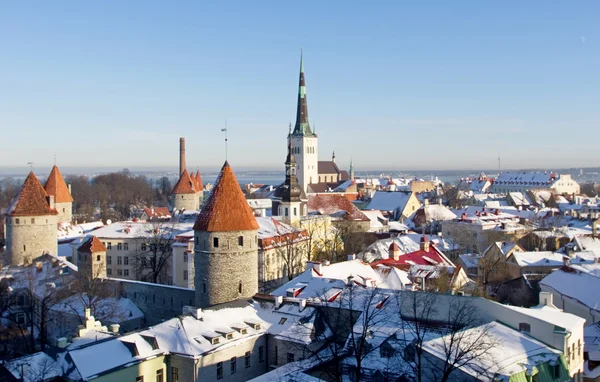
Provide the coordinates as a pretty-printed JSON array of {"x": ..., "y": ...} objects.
[{"x": 302, "y": 126}]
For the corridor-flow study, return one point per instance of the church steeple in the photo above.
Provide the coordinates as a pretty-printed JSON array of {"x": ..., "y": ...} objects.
[
  {"x": 290, "y": 190},
  {"x": 302, "y": 126},
  {"x": 351, "y": 170}
]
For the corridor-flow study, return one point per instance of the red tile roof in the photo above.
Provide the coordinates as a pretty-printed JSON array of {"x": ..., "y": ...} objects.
[
  {"x": 198, "y": 179},
  {"x": 157, "y": 212},
  {"x": 420, "y": 257},
  {"x": 185, "y": 184},
  {"x": 91, "y": 244},
  {"x": 32, "y": 200},
  {"x": 57, "y": 187},
  {"x": 333, "y": 204},
  {"x": 226, "y": 209}
]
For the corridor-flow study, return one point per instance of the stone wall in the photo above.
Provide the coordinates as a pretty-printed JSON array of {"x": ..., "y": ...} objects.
[
  {"x": 28, "y": 237},
  {"x": 65, "y": 211},
  {"x": 227, "y": 271},
  {"x": 157, "y": 302},
  {"x": 189, "y": 202}
]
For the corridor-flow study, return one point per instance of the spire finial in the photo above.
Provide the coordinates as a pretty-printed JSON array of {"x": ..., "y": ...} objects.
[{"x": 301, "y": 60}]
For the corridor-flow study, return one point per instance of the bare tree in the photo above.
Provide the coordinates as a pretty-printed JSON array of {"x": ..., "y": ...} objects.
[
  {"x": 454, "y": 321},
  {"x": 152, "y": 255},
  {"x": 292, "y": 252}
]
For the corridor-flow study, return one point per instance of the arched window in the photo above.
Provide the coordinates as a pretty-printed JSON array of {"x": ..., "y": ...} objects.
[{"x": 240, "y": 287}]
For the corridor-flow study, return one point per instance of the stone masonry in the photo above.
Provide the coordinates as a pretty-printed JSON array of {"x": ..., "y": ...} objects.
[
  {"x": 28, "y": 237},
  {"x": 226, "y": 271}
]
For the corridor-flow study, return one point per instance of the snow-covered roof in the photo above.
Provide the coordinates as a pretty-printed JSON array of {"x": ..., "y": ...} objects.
[
  {"x": 538, "y": 259},
  {"x": 108, "y": 309},
  {"x": 552, "y": 315},
  {"x": 470, "y": 260},
  {"x": 580, "y": 286},
  {"x": 132, "y": 230},
  {"x": 115, "y": 353},
  {"x": 512, "y": 352},
  {"x": 35, "y": 367},
  {"x": 388, "y": 201}
]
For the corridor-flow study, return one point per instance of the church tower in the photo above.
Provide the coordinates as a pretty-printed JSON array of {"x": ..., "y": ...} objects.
[
  {"x": 304, "y": 141},
  {"x": 290, "y": 200},
  {"x": 225, "y": 245}
]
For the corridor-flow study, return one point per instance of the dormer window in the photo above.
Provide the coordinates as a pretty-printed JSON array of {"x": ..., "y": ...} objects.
[
  {"x": 229, "y": 336},
  {"x": 214, "y": 341}
]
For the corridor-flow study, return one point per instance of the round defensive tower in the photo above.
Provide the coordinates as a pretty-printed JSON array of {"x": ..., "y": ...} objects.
[{"x": 225, "y": 245}]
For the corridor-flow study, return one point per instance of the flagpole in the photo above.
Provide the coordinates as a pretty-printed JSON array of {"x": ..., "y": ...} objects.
[{"x": 225, "y": 130}]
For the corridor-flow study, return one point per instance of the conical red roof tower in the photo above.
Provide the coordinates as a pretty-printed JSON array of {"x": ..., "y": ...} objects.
[
  {"x": 226, "y": 209},
  {"x": 185, "y": 184},
  {"x": 32, "y": 200},
  {"x": 57, "y": 187}
]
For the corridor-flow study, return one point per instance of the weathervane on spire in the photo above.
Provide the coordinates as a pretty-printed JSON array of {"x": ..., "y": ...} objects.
[{"x": 225, "y": 130}]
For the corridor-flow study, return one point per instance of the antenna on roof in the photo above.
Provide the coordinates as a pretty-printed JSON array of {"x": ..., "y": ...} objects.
[
  {"x": 30, "y": 165},
  {"x": 225, "y": 130}
]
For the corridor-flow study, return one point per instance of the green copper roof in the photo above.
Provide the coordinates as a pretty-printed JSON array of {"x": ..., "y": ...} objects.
[{"x": 302, "y": 127}]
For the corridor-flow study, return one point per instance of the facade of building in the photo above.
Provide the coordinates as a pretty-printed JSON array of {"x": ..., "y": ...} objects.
[
  {"x": 225, "y": 245},
  {"x": 289, "y": 201},
  {"x": 31, "y": 223}
]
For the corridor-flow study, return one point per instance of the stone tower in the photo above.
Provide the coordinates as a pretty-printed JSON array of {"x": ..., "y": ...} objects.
[
  {"x": 57, "y": 187},
  {"x": 91, "y": 258},
  {"x": 305, "y": 145},
  {"x": 31, "y": 223},
  {"x": 225, "y": 245},
  {"x": 185, "y": 195},
  {"x": 290, "y": 200},
  {"x": 351, "y": 170}
]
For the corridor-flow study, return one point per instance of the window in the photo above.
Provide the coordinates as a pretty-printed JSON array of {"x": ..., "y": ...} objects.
[
  {"x": 233, "y": 364},
  {"x": 185, "y": 257},
  {"x": 240, "y": 288},
  {"x": 276, "y": 361},
  {"x": 119, "y": 272},
  {"x": 125, "y": 272},
  {"x": 20, "y": 318},
  {"x": 125, "y": 260},
  {"x": 159, "y": 375},
  {"x": 216, "y": 242},
  {"x": 524, "y": 327},
  {"x": 295, "y": 211},
  {"x": 109, "y": 272},
  {"x": 126, "y": 246},
  {"x": 386, "y": 351},
  {"x": 119, "y": 246},
  {"x": 185, "y": 275},
  {"x": 143, "y": 247},
  {"x": 24, "y": 247},
  {"x": 286, "y": 211},
  {"x": 247, "y": 359},
  {"x": 290, "y": 357},
  {"x": 32, "y": 220},
  {"x": 283, "y": 320},
  {"x": 220, "y": 370},
  {"x": 139, "y": 379},
  {"x": 261, "y": 354},
  {"x": 109, "y": 245},
  {"x": 97, "y": 257},
  {"x": 204, "y": 287},
  {"x": 556, "y": 370},
  {"x": 119, "y": 260},
  {"x": 241, "y": 241},
  {"x": 174, "y": 374},
  {"x": 17, "y": 221}
]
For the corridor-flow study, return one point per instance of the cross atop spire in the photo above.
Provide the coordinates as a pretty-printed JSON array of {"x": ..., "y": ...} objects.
[{"x": 302, "y": 126}]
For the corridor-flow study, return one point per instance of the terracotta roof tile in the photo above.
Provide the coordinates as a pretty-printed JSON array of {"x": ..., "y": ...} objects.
[
  {"x": 91, "y": 244},
  {"x": 32, "y": 200},
  {"x": 199, "y": 186},
  {"x": 157, "y": 212},
  {"x": 226, "y": 209},
  {"x": 57, "y": 187},
  {"x": 185, "y": 184}
]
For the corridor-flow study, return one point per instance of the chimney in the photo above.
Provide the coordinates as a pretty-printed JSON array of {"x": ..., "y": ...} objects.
[
  {"x": 350, "y": 281},
  {"x": 424, "y": 244},
  {"x": 114, "y": 328},
  {"x": 351, "y": 257},
  {"x": 278, "y": 301},
  {"x": 87, "y": 313},
  {"x": 594, "y": 229},
  {"x": 69, "y": 185},
  {"x": 317, "y": 266},
  {"x": 547, "y": 299},
  {"x": 51, "y": 202},
  {"x": 425, "y": 202},
  {"x": 302, "y": 304},
  {"x": 181, "y": 155}
]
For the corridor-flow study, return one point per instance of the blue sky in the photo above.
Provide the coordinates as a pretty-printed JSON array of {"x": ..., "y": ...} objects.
[{"x": 436, "y": 85}]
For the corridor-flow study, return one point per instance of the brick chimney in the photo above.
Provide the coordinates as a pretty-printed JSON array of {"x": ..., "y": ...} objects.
[
  {"x": 181, "y": 155},
  {"x": 424, "y": 244}
]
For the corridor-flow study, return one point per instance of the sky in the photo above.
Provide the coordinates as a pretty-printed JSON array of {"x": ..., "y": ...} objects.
[{"x": 390, "y": 84}]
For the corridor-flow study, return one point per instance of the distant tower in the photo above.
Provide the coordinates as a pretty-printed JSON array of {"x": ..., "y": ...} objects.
[
  {"x": 288, "y": 197},
  {"x": 31, "y": 223},
  {"x": 333, "y": 157},
  {"x": 91, "y": 258},
  {"x": 57, "y": 187},
  {"x": 185, "y": 195},
  {"x": 305, "y": 142},
  {"x": 225, "y": 245},
  {"x": 351, "y": 170}
]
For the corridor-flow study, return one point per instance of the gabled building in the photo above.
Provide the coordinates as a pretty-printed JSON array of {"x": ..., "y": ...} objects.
[
  {"x": 395, "y": 205},
  {"x": 523, "y": 181}
]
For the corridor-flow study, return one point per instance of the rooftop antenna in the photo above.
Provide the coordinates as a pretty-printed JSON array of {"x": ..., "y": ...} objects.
[
  {"x": 30, "y": 165},
  {"x": 225, "y": 130}
]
